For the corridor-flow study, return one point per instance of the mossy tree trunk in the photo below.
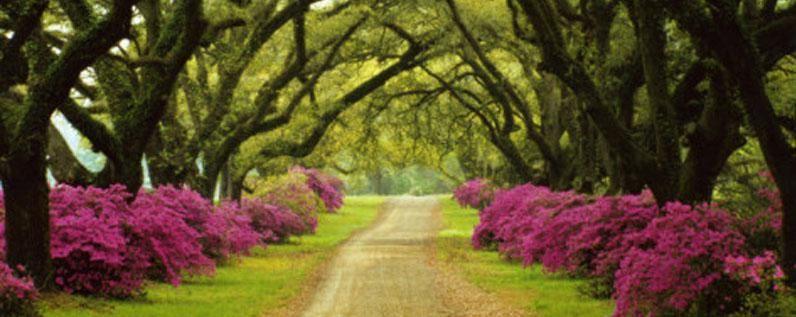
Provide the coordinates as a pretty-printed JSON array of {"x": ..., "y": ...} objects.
[
  {"x": 719, "y": 30},
  {"x": 24, "y": 176}
]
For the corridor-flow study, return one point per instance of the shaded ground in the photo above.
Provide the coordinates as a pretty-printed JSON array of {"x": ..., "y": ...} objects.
[{"x": 388, "y": 270}]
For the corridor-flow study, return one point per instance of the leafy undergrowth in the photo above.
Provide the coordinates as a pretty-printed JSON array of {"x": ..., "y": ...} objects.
[
  {"x": 267, "y": 280},
  {"x": 530, "y": 289}
]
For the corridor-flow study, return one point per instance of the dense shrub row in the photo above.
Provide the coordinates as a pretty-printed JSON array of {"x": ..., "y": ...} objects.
[
  {"x": 655, "y": 261},
  {"x": 103, "y": 244}
]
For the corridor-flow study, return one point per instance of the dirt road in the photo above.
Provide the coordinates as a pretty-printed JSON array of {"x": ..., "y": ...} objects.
[{"x": 388, "y": 270}]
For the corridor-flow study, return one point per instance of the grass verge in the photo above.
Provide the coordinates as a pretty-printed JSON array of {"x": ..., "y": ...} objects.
[
  {"x": 529, "y": 289},
  {"x": 265, "y": 281}
]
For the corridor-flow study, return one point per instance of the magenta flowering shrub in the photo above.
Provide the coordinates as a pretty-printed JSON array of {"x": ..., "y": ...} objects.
[
  {"x": 677, "y": 261},
  {"x": 600, "y": 244},
  {"x": 101, "y": 245},
  {"x": 547, "y": 243},
  {"x": 498, "y": 214},
  {"x": 273, "y": 223},
  {"x": 517, "y": 213},
  {"x": 220, "y": 232},
  {"x": 184, "y": 202},
  {"x": 327, "y": 187},
  {"x": 17, "y": 294},
  {"x": 585, "y": 239},
  {"x": 292, "y": 192},
  {"x": 476, "y": 193},
  {"x": 169, "y": 243},
  {"x": 234, "y": 233},
  {"x": 91, "y": 248}
]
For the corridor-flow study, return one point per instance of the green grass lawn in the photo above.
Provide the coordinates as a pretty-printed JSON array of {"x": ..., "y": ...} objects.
[
  {"x": 530, "y": 289},
  {"x": 265, "y": 281}
]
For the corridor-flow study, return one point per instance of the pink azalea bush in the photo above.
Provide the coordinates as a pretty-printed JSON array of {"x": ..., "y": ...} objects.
[
  {"x": 92, "y": 244},
  {"x": 221, "y": 232},
  {"x": 292, "y": 192},
  {"x": 189, "y": 205},
  {"x": 17, "y": 294},
  {"x": 272, "y": 223},
  {"x": 476, "y": 193},
  {"x": 235, "y": 233},
  {"x": 327, "y": 187},
  {"x": 600, "y": 243},
  {"x": 104, "y": 245},
  {"x": 675, "y": 260},
  {"x": 170, "y": 244},
  {"x": 518, "y": 212}
]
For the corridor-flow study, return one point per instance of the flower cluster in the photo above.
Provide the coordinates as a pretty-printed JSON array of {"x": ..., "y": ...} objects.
[
  {"x": 292, "y": 192},
  {"x": 16, "y": 294},
  {"x": 476, "y": 193},
  {"x": 517, "y": 213},
  {"x": 676, "y": 261},
  {"x": 327, "y": 187},
  {"x": 273, "y": 223},
  {"x": 585, "y": 239},
  {"x": 758, "y": 272},
  {"x": 222, "y": 232},
  {"x": 612, "y": 218},
  {"x": 103, "y": 245},
  {"x": 95, "y": 249},
  {"x": 171, "y": 246},
  {"x": 654, "y": 261},
  {"x": 234, "y": 232}
]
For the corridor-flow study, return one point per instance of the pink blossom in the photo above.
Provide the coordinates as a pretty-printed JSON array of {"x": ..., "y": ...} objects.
[
  {"x": 17, "y": 294},
  {"x": 476, "y": 193},
  {"x": 676, "y": 260},
  {"x": 327, "y": 187},
  {"x": 221, "y": 232},
  {"x": 292, "y": 192},
  {"x": 274, "y": 223}
]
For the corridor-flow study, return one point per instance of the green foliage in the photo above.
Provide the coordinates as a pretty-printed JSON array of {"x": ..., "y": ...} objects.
[{"x": 764, "y": 305}]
